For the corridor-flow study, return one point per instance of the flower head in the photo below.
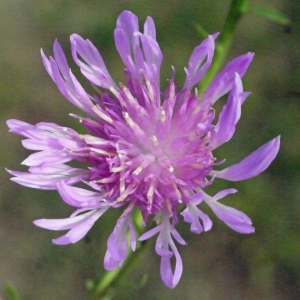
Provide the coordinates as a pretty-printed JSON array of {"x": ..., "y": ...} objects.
[{"x": 143, "y": 148}]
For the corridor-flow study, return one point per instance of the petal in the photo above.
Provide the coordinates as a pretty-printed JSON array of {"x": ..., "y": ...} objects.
[
  {"x": 192, "y": 214},
  {"x": 153, "y": 58},
  {"x": 60, "y": 59},
  {"x": 117, "y": 242},
  {"x": 150, "y": 233},
  {"x": 94, "y": 69},
  {"x": 47, "y": 158},
  {"x": 252, "y": 165},
  {"x": 47, "y": 177},
  {"x": 79, "y": 225},
  {"x": 229, "y": 116},
  {"x": 196, "y": 68},
  {"x": 149, "y": 28},
  {"x": 126, "y": 42},
  {"x": 62, "y": 224},
  {"x": 232, "y": 217},
  {"x": 75, "y": 234},
  {"x": 78, "y": 197},
  {"x": 224, "y": 81},
  {"x": 169, "y": 278}
]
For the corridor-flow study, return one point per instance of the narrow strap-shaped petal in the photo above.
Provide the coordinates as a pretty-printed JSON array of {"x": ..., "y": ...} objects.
[
  {"x": 229, "y": 116},
  {"x": 196, "y": 68},
  {"x": 47, "y": 177},
  {"x": 47, "y": 158},
  {"x": 224, "y": 81},
  {"x": 149, "y": 28},
  {"x": 125, "y": 40},
  {"x": 253, "y": 164},
  {"x": 79, "y": 225},
  {"x": 60, "y": 59},
  {"x": 24, "y": 129},
  {"x": 192, "y": 214},
  {"x": 72, "y": 90},
  {"x": 78, "y": 197},
  {"x": 147, "y": 235},
  {"x": 169, "y": 278},
  {"x": 47, "y": 65},
  {"x": 153, "y": 58},
  {"x": 94, "y": 69},
  {"x": 117, "y": 241},
  {"x": 62, "y": 224},
  {"x": 232, "y": 217}
]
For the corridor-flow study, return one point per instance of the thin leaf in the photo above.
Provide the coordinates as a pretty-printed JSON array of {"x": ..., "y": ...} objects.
[{"x": 270, "y": 14}]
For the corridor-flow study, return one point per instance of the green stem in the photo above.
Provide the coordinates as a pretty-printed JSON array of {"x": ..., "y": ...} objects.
[
  {"x": 111, "y": 279},
  {"x": 236, "y": 11}
]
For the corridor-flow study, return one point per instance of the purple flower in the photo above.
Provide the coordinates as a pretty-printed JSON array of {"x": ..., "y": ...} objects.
[{"x": 143, "y": 149}]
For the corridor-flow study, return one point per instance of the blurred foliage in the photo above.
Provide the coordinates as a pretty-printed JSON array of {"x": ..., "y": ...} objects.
[
  {"x": 218, "y": 265},
  {"x": 11, "y": 292}
]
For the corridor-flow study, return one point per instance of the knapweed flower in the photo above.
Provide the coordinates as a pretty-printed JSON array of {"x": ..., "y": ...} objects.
[{"x": 143, "y": 148}]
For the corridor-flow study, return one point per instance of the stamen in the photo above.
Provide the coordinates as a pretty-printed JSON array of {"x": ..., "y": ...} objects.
[
  {"x": 125, "y": 193},
  {"x": 129, "y": 95},
  {"x": 150, "y": 90},
  {"x": 105, "y": 180},
  {"x": 114, "y": 91},
  {"x": 151, "y": 192},
  {"x": 171, "y": 169},
  {"x": 185, "y": 192},
  {"x": 195, "y": 166},
  {"x": 122, "y": 180},
  {"x": 138, "y": 170},
  {"x": 196, "y": 92},
  {"x": 128, "y": 119},
  {"x": 102, "y": 115},
  {"x": 118, "y": 96},
  {"x": 147, "y": 160},
  {"x": 177, "y": 192},
  {"x": 118, "y": 169},
  {"x": 163, "y": 116},
  {"x": 103, "y": 152},
  {"x": 154, "y": 140},
  {"x": 172, "y": 92}
]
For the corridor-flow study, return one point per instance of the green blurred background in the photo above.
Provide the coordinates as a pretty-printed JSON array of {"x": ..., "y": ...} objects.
[{"x": 218, "y": 265}]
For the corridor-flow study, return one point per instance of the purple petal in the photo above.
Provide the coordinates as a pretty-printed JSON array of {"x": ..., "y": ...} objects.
[
  {"x": 75, "y": 234},
  {"x": 150, "y": 233},
  {"x": 47, "y": 158},
  {"x": 192, "y": 214},
  {"x": 253, "y": 164},
  {"x": 78, "y": 197},
  {"x": 232, "y": 217},
  {"x": 169, "y": 278},
  {"x": 229, "y": 116},
  {"x": 94, "y": 69},
  {"x": 117, "y": 242},
  {"x": 196, "y": 69},
  {"x": 60, "y": 59},
  {"x": 62, "y": 224},
  {"x": 72, "y": 90},
  {"x": 47, "y": 177},
  {"x": 153, "y": 58},
  {"x": 79, "y": 225},
  {"x": 127, "y": 25},
  {"x": 224, "y": 81},
  {"x": 149, "y": 28}
]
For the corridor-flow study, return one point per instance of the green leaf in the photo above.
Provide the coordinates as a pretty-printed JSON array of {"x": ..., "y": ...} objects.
[
  {"x": 270, "y": 14},
  {"x": 11, "y": 292}
]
